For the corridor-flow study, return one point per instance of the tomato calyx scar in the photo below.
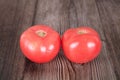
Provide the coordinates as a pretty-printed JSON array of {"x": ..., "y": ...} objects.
[
  {"x": 41, "y": 33},
  {"x": 82, "y": 32}
]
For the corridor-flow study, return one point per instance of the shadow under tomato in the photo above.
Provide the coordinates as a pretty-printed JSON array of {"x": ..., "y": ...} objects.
[{"x": 30, "y": 67}]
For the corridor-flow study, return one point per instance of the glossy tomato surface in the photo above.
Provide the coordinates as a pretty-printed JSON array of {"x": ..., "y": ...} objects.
[
  {"x": 40, "y": 43},
  {"x": 81, "y": 44}
]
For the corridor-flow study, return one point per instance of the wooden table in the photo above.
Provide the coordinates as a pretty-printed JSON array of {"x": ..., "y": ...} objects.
[{"x": 17, "y": 15}]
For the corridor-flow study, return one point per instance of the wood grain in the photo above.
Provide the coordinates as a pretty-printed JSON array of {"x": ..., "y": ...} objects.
[{"x": 18, "y": 15}]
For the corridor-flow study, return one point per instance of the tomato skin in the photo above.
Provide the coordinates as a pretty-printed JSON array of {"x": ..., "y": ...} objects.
[
  {"x": 40, "y": 49},
  {"x": 81, "y": 45}
]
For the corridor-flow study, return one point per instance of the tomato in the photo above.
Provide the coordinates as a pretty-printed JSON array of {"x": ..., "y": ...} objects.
[
  {"x": 81, "y": 45},
  {"x": 40, "y": 43}
]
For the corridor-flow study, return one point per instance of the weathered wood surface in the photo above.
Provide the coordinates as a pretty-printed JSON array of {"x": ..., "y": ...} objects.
[{"x": 18, "y": 15}]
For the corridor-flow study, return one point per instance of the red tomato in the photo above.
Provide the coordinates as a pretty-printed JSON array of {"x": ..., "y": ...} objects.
[
  {"x": 81, "y": 44},
  {"x": 40, "y": 43}
]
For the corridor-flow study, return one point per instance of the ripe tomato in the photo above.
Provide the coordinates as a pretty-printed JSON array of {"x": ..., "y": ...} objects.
[
  {"x": 40, "y": 43},
  {"x": 81, "y": 45}
]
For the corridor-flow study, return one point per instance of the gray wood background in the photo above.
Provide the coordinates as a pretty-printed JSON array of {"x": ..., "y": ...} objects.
[{"x": 17, "y": 15}]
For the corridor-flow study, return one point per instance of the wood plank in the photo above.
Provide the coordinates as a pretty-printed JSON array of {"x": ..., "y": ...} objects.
[
  {"x": 87, "y": 15},
  {"x": 109, "y": 14},
  {"x": 15, "y": 16}
]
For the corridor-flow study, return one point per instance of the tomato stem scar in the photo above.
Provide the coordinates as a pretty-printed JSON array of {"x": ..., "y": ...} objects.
[
  {"x": 82, "y": 32},
  {"x": 41, "y": 33}
]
